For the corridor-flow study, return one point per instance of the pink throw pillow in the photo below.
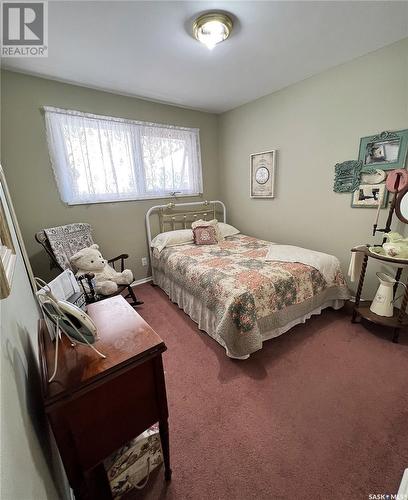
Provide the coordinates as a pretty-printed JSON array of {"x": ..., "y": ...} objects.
[{"x": 205, "y": 235}]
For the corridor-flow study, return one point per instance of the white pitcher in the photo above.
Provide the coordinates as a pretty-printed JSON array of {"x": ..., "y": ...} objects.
[{"x": 383, "y": 303}]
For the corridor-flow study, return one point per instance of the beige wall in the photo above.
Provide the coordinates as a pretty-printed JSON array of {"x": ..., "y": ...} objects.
[
  {"x": 26, "y": 453},
  {"x": 313, "y": 125},
  {"x": 118, "y": 227}
]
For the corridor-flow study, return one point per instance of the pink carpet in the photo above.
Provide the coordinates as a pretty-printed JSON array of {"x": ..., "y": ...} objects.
[{"x": 319, "y": 413}]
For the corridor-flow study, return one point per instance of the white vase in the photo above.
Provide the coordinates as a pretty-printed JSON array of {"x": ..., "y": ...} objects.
[{"x": 383, "y": 303}]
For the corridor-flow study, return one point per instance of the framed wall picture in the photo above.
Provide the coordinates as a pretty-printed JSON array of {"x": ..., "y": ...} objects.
[
  {"x": 9, "y": 232},
  {"x": 262, "y": 174},
  {"x": 7, "y": 250},
  {"x": 387, "y": 150},
  {"x": 369, "y": 196},
  {"x": 347, "y": 176}
]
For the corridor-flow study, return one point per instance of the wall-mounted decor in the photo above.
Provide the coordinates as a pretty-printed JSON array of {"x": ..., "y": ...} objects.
[
  {"x": 7, "y": 250},
  {"x": 376, "y": 177},
  {"x": 347, "y": 176},
  {"x": 262, "y": 171},
  {"x": 397, "y": 180},
  {"x": 14, "y": 228},
  {"x": 387, "y": 150},
  {"x": 369, "y": 196}
]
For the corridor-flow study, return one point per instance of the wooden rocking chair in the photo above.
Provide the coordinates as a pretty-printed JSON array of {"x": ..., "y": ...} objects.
[{"x": 74, "y": 237}]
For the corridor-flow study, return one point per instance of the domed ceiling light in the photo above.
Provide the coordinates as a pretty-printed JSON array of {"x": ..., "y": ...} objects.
[{"x": 212, "y": 28}]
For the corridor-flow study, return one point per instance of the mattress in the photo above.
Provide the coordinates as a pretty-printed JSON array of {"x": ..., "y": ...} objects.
[{"x": 239, "y": 299}]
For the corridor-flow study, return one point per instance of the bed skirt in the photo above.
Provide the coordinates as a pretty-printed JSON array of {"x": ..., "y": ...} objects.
[{"x": 206, "y": 320}]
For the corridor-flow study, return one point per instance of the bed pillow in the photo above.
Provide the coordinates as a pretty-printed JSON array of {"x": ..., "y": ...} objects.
[
  {"x": 205, "y": 235},
  {"x": 172, "y": 238},
  {"x": 202, "y": 222},
  {"x": 227, "y": 230},
  {"x": 213, "y": 223}
]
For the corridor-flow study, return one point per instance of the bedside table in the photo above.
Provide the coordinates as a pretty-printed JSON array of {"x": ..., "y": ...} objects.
[{"x": 399, "y": 318}]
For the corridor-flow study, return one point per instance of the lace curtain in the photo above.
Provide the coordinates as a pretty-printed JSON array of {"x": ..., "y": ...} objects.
[{"x": 97, "y": 158}]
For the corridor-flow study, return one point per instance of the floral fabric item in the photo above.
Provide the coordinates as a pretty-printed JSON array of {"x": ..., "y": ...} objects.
[
  {"x": 132, "y": 463},
  {"x": 205, "y": 235},
  {"x": 247, "y": 295},
  {"x": 213, "y": 223},
  {"x": 67, "y": 240}
]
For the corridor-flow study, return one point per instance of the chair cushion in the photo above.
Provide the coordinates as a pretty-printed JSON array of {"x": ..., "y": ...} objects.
[{"x": 67, "y": 240}]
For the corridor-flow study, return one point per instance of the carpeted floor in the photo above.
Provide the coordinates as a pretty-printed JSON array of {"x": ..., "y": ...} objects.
[{"x": 319, "y": 413}]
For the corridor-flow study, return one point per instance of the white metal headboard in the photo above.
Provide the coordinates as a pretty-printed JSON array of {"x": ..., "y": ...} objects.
[{"x": 171, "y": 217}]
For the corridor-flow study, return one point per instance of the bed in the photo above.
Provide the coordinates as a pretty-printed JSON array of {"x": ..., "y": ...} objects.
[{"x": 230, "y": 291}]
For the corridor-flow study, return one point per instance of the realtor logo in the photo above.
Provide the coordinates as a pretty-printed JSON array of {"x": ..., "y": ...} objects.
[{"x": 24, "y": 32}]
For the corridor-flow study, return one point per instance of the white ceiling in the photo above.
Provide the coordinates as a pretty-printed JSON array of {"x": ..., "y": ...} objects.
[{"x": 145, "y": 49}]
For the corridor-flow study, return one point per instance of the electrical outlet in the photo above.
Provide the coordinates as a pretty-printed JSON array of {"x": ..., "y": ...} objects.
[{"x": 144, "y": 261}]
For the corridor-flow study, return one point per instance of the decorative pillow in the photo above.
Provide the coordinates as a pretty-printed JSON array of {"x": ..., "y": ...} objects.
[
  {"x": 213, "y": 223},
  {"x": 172, "y": 238},
  {"x": 227, "y": 230},
  {"x": 205, "y": 235}
]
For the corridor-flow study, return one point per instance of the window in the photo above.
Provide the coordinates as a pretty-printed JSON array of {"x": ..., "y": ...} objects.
[{"x": 98, "y": 158}]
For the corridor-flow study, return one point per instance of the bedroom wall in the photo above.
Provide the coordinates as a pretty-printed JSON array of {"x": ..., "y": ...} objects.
[
  {"x": 313, "y": 125},
  {"x": 27, "y": 457},
  {"x": 118, "y": 227}
]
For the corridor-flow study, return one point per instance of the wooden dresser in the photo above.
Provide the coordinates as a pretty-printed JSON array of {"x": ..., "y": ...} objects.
[{"x": 96, "y": 405}]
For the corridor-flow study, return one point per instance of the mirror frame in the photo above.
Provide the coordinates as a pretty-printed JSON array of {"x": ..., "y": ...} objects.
[{"x": 400, "y": 195}]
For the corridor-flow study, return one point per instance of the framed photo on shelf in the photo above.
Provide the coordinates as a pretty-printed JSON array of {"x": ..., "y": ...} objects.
[
  {"x": 262, "y": 174},
  {"x": 387, "y": 150},
  {"x": 369, "y": 196}
]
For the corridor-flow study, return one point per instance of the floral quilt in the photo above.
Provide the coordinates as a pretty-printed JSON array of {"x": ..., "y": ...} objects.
[{"x": 247, "y": 295}]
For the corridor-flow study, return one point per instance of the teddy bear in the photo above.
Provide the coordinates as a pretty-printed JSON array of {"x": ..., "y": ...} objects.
[{"x": 90, "y": 260}]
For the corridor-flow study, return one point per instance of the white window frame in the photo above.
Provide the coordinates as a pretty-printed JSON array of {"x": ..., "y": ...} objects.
[{"x": 59, "y": 164}]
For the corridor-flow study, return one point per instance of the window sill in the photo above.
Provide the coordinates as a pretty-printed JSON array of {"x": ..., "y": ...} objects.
[{"x": 147, "y": 198}]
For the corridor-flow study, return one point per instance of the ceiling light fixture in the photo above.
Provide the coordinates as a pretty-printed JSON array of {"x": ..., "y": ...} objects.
[{"x": 212, "y": 28}]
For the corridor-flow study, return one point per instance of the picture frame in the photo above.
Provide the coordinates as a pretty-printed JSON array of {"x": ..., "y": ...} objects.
[
  {"x": 387, "y": 150},
  {"x": 262, "y": 174},
  {"x": 7, "y": 248},
  {"x": 369, "y": 195},
  {"x": 347, "y": 176},
  {"x": 10, "y": 218}
]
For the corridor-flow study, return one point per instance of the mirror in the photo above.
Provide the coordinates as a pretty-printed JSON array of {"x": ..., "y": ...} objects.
[{"x": 401, "y": 206}]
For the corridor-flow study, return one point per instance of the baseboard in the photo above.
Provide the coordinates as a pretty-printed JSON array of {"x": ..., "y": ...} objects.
[{"x": 143, "y": 280}]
